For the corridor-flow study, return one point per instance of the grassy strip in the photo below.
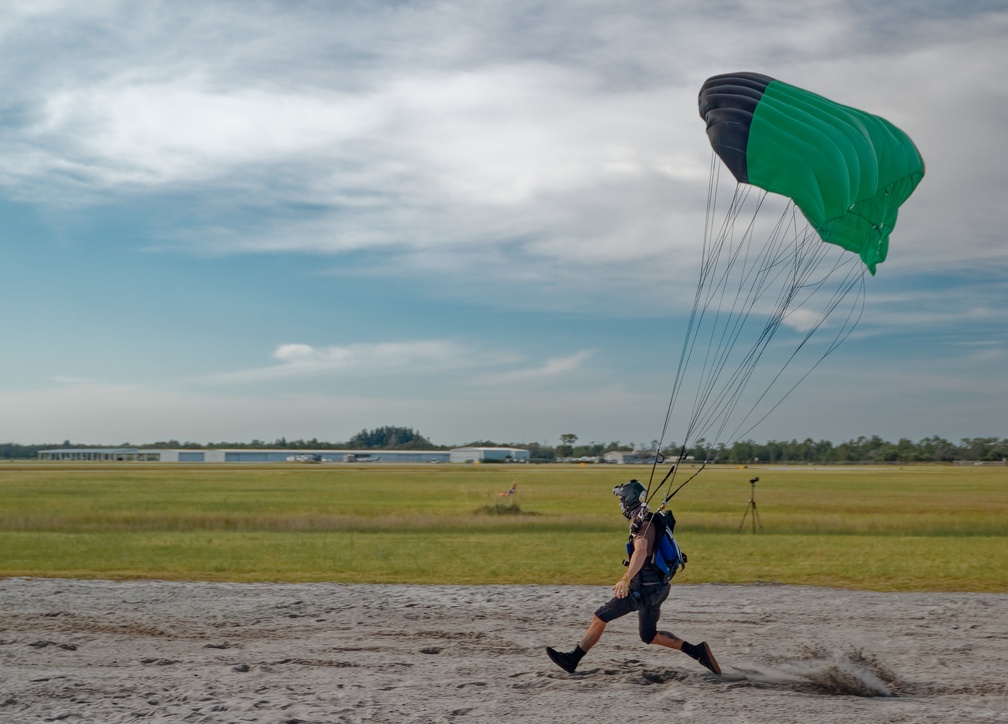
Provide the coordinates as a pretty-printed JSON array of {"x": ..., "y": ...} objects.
[
  {"x": 910, "y": 501},
  {"x": 927, "y": 528},
  {"x": 483, "y": 556}
]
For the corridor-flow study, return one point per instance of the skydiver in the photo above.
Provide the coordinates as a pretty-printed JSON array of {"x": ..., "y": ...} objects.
[{"x": 643, "y": 588}]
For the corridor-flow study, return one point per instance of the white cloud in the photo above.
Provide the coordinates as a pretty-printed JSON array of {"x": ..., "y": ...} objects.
[
  {"x": 443, "y": 364},
  {"x": 134, "y": 130},
  {"x": 551, "y": 368},
  {"x": 401, "y": 138},
  {"x": 299, "y": 360}
]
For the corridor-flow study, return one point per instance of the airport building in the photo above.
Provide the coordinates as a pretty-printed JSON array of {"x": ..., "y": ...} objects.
[
  {"x": 243, "y": 455},
  {"x": 489, "y": 454}
]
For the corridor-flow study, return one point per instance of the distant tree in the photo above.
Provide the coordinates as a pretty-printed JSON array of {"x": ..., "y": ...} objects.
[
  {"x": 980, "y": 448},
  {"x": 566, "y": 447},
  {"x": 698, "y": 451},
  {"x": 936, "y": 449},
  {"x": 742, "y": 452},
  {"x": 13, "y": 451},
  {"x": 540, "y": 453},
  {"x": 389, "y": 438},
  {"x": 671, "y": 451},
  {"x": 592, "y": 450},
  {"x": 906, "y": 451}
]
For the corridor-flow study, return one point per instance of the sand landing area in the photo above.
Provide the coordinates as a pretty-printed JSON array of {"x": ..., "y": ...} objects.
[{"x": 99, "y": 651}]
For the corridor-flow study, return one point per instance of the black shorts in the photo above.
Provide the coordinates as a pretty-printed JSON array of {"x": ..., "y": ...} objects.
[{"x": 646, "y": 601}]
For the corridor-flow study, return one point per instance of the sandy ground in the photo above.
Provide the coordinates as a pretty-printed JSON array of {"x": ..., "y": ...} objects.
[{"x": 97, "y": 651}]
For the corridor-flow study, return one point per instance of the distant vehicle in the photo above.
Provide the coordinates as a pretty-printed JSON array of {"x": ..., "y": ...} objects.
[
  {"x": 355, "y": 458},
  {"x": 306, "y": 458}
]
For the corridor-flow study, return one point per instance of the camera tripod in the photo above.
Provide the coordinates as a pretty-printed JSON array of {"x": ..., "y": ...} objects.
[{"x": 751, "y": 506}]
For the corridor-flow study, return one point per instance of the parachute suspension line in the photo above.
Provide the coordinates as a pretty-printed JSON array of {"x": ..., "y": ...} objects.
[
  {"x": 716, "y": 250},
  {"x": 809, "y": 254},
  {"x": 713, "y": 247},
  {"x": 710, "y": 285},
  {"x": 854, "y": 280},
  {"x": 733, "y": 319},
  {"x": 722, "y": 257},
  {"x": 734, "y": 316},
  {"x": 686, "y": 351},
  {"x": 772, "y": 256},
  {"x": 739, "y": 278}
]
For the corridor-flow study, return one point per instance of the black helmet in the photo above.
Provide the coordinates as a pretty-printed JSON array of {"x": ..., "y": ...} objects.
[{"x": 631, "y": 497}]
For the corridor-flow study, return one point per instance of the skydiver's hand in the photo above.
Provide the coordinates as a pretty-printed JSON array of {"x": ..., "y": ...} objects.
[{"x": 621, "y": 588}]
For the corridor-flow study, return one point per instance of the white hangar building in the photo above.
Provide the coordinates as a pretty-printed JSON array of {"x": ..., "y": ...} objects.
[
  {"x": 489, "y": 454},
  {"x": 244, "y": 455}
]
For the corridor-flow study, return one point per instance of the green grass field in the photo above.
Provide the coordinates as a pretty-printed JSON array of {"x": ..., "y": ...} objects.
[{"x": 913, "y": 528}]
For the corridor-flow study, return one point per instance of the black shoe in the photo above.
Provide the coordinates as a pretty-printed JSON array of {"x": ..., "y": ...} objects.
[
  {"x": 566, "y": 660},
  {"x": 706, "y": 658}
]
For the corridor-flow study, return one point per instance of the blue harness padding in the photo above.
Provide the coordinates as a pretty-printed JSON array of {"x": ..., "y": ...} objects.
[{"x": 668, "y": 557}]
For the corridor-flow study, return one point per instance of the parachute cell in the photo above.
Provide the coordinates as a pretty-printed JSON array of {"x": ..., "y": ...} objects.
[{"x": 847, "y": 170}]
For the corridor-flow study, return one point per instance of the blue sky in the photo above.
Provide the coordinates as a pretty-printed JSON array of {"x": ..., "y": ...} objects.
[{"x": 481, "y": 220}]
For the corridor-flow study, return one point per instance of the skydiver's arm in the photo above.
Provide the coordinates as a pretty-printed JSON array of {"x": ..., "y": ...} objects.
[{"x": 637, "y": 560}]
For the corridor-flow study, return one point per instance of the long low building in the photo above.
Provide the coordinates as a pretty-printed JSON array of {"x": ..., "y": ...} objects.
[
  {"x": 489, "y": 454},
  {"x": 243, "y": 455}
]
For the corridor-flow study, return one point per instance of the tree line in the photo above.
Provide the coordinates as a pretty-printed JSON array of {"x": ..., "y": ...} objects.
[{"x": 861, "y": 450}]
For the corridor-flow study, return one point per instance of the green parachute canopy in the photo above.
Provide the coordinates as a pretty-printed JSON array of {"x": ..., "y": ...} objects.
[{"x": 847, "y": 170}]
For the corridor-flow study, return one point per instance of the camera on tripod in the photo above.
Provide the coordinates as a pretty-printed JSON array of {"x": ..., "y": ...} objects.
[{"x": 751, "y": 509}]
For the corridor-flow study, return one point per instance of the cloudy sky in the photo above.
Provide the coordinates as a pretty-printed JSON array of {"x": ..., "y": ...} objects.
[{"x": 482, "y": 220}]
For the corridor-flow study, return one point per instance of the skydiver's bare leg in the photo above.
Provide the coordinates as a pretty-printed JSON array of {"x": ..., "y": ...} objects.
[
  {"x": 664, "y": 638},
  {"x": 700, "y": 652},
  {"x": 568, "y": 660},
  {"x": 593, "y": 634}
]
